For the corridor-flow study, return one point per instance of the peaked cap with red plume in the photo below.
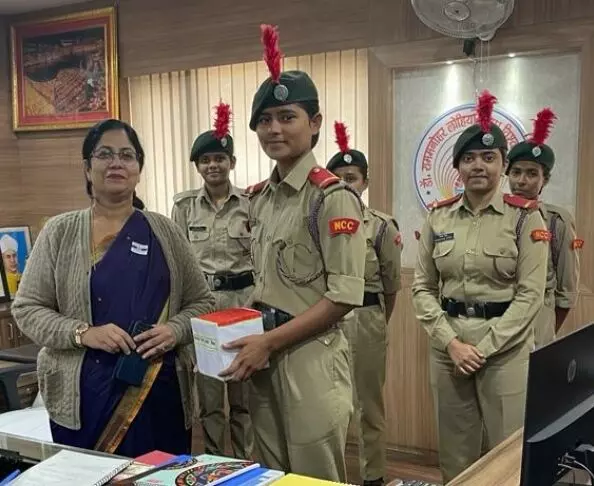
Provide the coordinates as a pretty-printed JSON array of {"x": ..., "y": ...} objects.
[
  {"x": 282, "y": 87},
  {"x": 219, "y": 139},
  {"x": 534, "y": 147},
  {"x": 483, "y": 135},
  {"x": 346, "y": 156}
]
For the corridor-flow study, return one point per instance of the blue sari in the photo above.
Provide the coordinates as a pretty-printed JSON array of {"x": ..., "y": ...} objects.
[{"x": 130, "y": 283}]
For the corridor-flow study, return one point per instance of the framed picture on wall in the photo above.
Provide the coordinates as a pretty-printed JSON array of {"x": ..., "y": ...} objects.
[
  {"x": 15, "y": 246},
  {"x": 64, "y": 71}
]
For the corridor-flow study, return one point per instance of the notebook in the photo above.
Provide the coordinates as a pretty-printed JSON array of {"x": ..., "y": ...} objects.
[
  {"x": 297, "y": 480},
  {"x": 66, "y": 466},
  {"x": 201, "y": 470},
  {"x": 256, "y": 477}
]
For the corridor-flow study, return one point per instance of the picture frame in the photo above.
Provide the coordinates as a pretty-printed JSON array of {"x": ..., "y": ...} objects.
[
  {"x": 4, "y": 292},
  {"x": 64, "y": 71},
  {"x": 15, "y": 248}
]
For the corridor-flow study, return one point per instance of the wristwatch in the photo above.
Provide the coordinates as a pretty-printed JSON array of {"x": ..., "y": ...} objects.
[{"x": 78, "y": 332}]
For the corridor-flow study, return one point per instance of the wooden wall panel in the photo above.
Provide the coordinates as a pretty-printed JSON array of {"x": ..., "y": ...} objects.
[{"x": 10, "y": 176}]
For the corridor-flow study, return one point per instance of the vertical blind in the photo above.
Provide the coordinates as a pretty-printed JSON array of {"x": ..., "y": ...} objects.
[{"x": 170, "y": 110}]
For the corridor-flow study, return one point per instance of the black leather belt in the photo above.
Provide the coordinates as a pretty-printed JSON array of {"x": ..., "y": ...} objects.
[
  {"x": 229, "y": 281},
  {"x": 370, "y": 298},
  {"x": 485, "y": 310},
  {"x": 271, "y": 316}
]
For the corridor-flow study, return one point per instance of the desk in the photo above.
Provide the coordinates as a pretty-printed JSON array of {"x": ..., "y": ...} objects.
[{"x": 500, "y": 467}]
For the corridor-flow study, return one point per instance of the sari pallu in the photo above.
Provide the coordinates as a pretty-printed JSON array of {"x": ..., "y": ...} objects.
[{"x": 129, "y": 282}]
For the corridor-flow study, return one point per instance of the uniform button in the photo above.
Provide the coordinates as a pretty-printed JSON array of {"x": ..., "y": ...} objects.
[
  {"x": 326, "y": 341},
  {"x": 99, "y": 299}
]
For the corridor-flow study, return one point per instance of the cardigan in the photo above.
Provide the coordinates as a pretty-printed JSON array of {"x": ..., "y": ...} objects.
[{"x": 54, "y": 299}]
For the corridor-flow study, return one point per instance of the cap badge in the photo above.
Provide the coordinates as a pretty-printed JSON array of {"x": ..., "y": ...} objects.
[
  {"x": 224, "y": 142},
  {"x": 347, "y": 158},
  {"x": 281, "y": 92},
  {"x": 488, "y": 139},
  {"x": 536, "y": 151}
]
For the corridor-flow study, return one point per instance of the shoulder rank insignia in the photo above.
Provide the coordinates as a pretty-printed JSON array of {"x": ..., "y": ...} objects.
[
  {"x": 322, "y": 178},
  {"x": 256, "y": 188},
  {"x": 445, "y": 202},
  {"x": 186, "y": 194},
  {"x": 577, "y": 244},
  {"x": 520, "y": 202}
]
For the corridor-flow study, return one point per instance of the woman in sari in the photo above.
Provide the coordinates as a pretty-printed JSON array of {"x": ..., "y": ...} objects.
[{"x": 104, "y": 285}]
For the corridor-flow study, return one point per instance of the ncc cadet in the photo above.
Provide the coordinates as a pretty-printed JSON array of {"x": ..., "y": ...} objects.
[
  {"x": 529, "y": 171},
  {"x": 479, "y": 283},
  {"x": 367, "y": 330},
  {"x": 215, "y": 219},
  {"x": 308, "y": 277}
]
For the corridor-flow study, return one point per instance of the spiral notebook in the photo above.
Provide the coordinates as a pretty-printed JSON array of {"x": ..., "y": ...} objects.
[{"x": 67, "y": 466}]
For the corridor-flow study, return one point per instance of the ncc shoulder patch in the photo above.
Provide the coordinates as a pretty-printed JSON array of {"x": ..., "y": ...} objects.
[
  {"x": 322, "y": 178},
  {"x": 520, "y": 202},
  {"x": 541, "y": 235},
  {"x": 445, "y": 202},
  {"x": 577, "y": 244},
  {"x": 256, "y": 188},
  {"x": 398, "y": 239},
  {"x": 347, "y": 226}
]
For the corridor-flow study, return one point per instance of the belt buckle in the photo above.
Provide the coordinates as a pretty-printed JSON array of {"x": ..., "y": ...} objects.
[
  {"x": 470, "y": 311},
  {"x": 216, "y": 283}
]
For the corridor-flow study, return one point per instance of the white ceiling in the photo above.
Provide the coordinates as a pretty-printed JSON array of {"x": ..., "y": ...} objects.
[{"x": 20, "y": 6}]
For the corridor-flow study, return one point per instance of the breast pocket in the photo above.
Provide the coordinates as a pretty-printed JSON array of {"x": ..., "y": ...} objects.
[
  {"x": 502, "y": 256},
  {"x": 443, "y": 255},
  {"x": 298, "y": 258},
  {"x": 239, "y": 237}
]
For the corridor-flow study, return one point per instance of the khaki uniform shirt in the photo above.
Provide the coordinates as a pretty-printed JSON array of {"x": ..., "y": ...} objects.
[
  {"x": 290, "y": 272},
  {"x": 562, "y": 280},
  {"x": 476, "y": 258},
  {"x": 382, "y": 269},
  {"x": 219, "y": 237}
]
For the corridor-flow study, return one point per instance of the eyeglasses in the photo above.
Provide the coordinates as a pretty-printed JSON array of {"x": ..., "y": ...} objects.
[{"x": 107, "y": 156}]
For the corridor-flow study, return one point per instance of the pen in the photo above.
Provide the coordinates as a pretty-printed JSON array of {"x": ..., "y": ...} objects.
[{"x": 8, "y": 479}]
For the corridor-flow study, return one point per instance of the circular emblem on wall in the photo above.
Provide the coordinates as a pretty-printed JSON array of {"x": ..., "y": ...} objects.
[{"x": 434, "y": 175}]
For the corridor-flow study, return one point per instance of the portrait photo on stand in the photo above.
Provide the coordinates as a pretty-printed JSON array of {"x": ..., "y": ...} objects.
[{"x": 15, "y": 245}]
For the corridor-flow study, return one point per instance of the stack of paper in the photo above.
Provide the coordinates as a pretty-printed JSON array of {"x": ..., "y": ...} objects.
[
  {"x": 66, "y": 466},
  {"x": 213, "y": 330}
]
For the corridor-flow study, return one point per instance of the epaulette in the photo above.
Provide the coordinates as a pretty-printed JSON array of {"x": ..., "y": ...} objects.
[
  {"x": 384, "y": 217},
  {"x": 520, "y": 202},
  {"x": 256, "y": 188},
  {"x": 563, "y": 213},
  {"x": 322, "y": 178},
  {"x": 445, "y": 202},
  {"x": 184, "y": 195}
]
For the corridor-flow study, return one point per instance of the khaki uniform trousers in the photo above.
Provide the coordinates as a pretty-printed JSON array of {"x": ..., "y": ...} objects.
[
  {"x": 366, "y": 332},
  {"x": 544, "y": 324},
  {"x": 488, "y": 405},
  {"x": 301, "y": 406},
  {"x": 211, "y": 396}
]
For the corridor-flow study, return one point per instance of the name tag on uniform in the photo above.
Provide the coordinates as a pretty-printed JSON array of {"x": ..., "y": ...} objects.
[
  {"x": 440, "y": 237},
  {"x": 139, "y": 248}
]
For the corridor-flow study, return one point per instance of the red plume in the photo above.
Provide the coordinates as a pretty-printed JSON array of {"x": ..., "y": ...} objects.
[
  {"x": 484, "y": 110},
  {"x": 542, "y": 126},
  {"x": 222, "y": 120},
  {"x": 272, "y": 52},
  {"x": 342, "y": 137}
]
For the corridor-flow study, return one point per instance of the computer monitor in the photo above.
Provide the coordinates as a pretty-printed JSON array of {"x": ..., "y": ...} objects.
[{"x": 559, "y": 406}]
